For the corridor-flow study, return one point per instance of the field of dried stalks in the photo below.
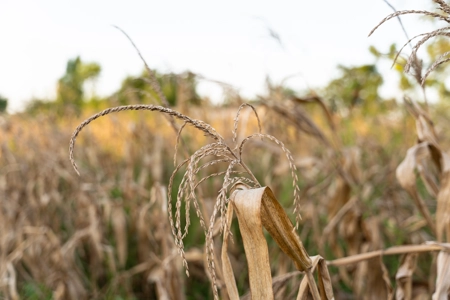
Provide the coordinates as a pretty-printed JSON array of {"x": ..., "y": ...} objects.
[
  {"x": 348, "y": 205},
  {"x": 373, "y": 194}
]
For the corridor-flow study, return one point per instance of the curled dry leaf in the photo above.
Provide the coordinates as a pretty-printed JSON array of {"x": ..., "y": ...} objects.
[
  {"x": 248, "y": 206},
  {"x": 424, "y": 124},
  {"x": 407, "y": 177},
  {"x": 256, "y": 208},
  {"x": 418, "y": 158},
  {"x": 326, "y": 290}
]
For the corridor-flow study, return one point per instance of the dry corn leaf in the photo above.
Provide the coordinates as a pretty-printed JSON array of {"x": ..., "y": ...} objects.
[
  {"x": 11, "y": 280},
  {"x": 325, "y": 284},
  {"x": 256, "y": 208},
  {"x": 277, "y": 223},
  {"x": 443, "y": 276},
  {"x": 157, "y": 276},
  {"x": 428, "y": 247},
  {"x": 248, "y": 206},
  {"x": 404, "y": 277},
  {"x": 443, "y": 203},
  {"x": 407, "y": 177},
  {"x": 299, "y": 118},
  {"x": 427, "y": 135},
  {"x": 228, "y": 275},
  {"x": 325, "y": 287},
  {"x": 424, "y": 124}
]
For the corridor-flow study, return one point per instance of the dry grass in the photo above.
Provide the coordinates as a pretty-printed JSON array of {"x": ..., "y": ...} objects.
[{"x": 107, "y": 233}]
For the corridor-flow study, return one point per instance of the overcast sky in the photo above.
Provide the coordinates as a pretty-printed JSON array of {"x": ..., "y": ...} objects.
[{"x": 229, "y": 41}]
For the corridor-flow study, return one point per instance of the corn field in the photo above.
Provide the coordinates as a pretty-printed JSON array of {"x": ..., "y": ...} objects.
[{"x": 283, "y": 198}]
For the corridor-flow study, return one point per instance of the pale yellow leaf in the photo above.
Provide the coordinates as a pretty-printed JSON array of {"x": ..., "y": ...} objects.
[
  {"x": 443, "y": 276},
  {"x": 248, "y": 210},
  {"x": 407, "y": 178}
]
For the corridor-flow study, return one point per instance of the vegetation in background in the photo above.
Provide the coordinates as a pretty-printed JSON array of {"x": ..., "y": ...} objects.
[
  {"x": 356, "y": 86},
  {"x": 177, "y": 88},
  {"x": 70, "y": 90},
  {"x": 3, "y": 104}
]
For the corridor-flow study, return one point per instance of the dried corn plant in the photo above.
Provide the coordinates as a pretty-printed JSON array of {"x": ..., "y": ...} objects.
[
  {"x": 264, "y": 211},
  {"x": 413, "y": 64},
  {"x": 369, "y": 278},
  {"x": 343, "y": 205},
  {"x": 67, "y": 239},
  {"x": 379, "y": 216}
]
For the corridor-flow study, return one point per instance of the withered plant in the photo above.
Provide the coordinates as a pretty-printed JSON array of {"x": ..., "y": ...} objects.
[{"x": 255, "y": 207}]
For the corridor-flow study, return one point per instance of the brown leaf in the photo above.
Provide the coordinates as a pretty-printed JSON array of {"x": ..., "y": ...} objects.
[
  {"x": 228, "y": 275},
  {"x": 443, "y": 203},
  {"x": 404, "y": 277},
  {"x": 407, "y": 177},
  {"x": 279, "y": 226},
  {"x": 247, "y": 204},
  {"x": 424, "y": 124},
  {"x": 256, "y": 208},
  {"x": 326, "y": 290},
  {"x": 443, "y": 276}
]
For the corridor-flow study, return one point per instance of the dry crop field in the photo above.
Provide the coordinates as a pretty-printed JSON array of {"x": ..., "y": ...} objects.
[
  {"x": 107, "y": 234},
  {"x": 282, "y": 199}
]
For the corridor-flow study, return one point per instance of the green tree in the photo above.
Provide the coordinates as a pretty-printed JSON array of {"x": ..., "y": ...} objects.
[
  {"x": 3, "y": 104},
  {"x": 177, "y": 89},
  {"x": 70, "y": 90},
  {"x": 133, "y": 90},
  {"x": 356, "y": 86},
  {"x": 70, "y": 93}
]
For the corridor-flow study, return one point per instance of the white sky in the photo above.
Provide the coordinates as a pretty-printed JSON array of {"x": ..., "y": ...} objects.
[{"x": 228, "y": 41}]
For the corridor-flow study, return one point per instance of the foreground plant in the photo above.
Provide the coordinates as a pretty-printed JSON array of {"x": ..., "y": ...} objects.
[{"x": 255, "y": 207}]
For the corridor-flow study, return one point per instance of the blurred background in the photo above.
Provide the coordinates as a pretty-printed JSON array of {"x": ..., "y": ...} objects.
[{"x": 238, "y": 43}]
